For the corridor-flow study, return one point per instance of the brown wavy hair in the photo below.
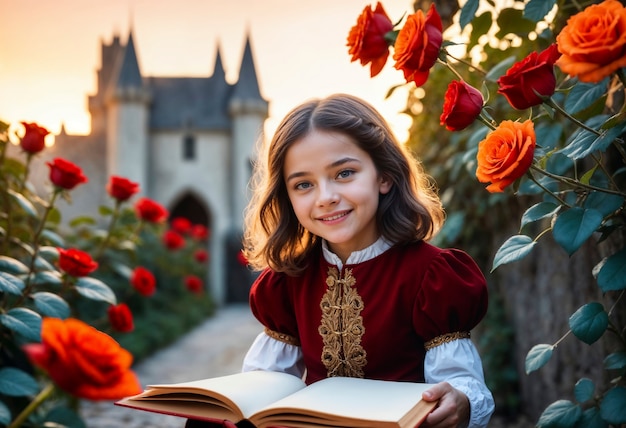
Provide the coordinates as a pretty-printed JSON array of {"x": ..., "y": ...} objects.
[{"x": 410, "y": 211}]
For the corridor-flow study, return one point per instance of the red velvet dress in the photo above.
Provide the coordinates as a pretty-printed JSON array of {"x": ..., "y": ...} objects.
[{"x": 376, "y": 318}]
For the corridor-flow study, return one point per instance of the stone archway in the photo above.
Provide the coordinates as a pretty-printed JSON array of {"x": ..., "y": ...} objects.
[{"x": 192, "y": 208}]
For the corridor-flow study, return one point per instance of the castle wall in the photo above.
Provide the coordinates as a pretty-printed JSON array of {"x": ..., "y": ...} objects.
[{"x": 207, "y": 175}]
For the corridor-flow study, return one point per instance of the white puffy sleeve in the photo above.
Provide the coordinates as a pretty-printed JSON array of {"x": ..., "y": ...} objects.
[
  {"x": 267, "y": 353},
  {"x": 458, "y": 363}
]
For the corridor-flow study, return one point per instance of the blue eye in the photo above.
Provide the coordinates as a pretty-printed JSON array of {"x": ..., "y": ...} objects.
[
  {"x": 303, "y": 186},
  {"x": 345, "y": 173}
]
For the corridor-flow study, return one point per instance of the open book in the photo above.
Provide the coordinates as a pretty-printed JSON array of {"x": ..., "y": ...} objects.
[{"x": 273, "y": 399}]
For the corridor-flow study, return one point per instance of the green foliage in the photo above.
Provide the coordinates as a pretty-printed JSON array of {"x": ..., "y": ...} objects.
[
  {"x": 33, "y": 286},
  {"x": 574, "y": 191}
]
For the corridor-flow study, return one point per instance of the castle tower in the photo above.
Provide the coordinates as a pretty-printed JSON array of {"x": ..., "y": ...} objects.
[
  {"x": 248, "y": 111},
  {"x": 127, "y": 100}
]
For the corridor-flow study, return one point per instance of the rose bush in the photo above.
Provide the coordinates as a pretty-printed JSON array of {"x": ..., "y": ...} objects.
[
  {"x": 547, "y": 133},
  {"x": 77, "y": 303}
]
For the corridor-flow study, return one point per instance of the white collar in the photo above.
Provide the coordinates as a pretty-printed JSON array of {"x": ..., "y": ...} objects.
[{"x": 376, "y": 249}]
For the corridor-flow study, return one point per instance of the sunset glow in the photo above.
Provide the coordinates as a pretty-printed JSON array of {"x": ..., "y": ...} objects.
[{"x": 50, "y": 51}]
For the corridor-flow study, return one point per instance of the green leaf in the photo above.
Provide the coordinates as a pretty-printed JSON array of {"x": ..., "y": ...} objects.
[
  {"x": 82, "y": 220},
  {"x": 538, "y": 356},
  {"x": 615, "y": 361},
  {"x": 64, "y": 417},
  {"x": 24, "y": 203},
  {"x": 612, "y": 406},
  {"x": 43, "y": 264},
  {"x": 53, "y": 238},
  {"x": 589, "y": 322},
  {"x": 515, "y": 248},
  {"x": 11, "y": 284},
  {"x": 95, "y": 289},
  {"x": 512, "y": 21},
  {"x": 51, "y": 305},
  {"x": 105, "y": 211},
  {"x": 23, "y": 321},
  {"x": 48, "y": 277},
  {"x": 582, "y": 95},
  {"x": 5, "y": 415},
  {"x": 17, "y": 383},
  {"x": 574, "y": 226},
  {"x": 603, "y": 202},
  {"x": 584, "y": 389},
  {"x": 612, "y": 275},
  {"x": 480, "y": 26},
  {"x": 536, "y": 10},
  {"x": 538, "y": 211},
  {"x": 49, "y": 252},
  {"x": 499, "y": 69},
  {"x": 11, "y": 265},
  {"x": 468, "y": 11},
  {"x": 549, "y": 135},
  {"x": 561, "y": 413},
  {"x": 591, "y": 419}
]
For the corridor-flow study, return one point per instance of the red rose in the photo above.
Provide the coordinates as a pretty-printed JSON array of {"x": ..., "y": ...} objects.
[
  {"x": 143, "y": 281},
  {"x": 593, "y": 42},
  {"x": 367, "y": 41},
  {"x": 527, "y": 81},
  {"x": 65, "y": 174},
  {"x": 193, "y": 283},
  {"x": 121, "y": 318},
  {"x": 461, "y": 106},
  {"x": 76, "y": 262},
  {"x": 505, "y": 154},
  {"x": 417, "y": 46},
  {"x": 201, "y": 256},
  {"x": 181, "y": 225},
  {"x": 34, "y": 139},
  {"x": 83, "y": 361},
  {"x": 150, "y": 211},
  {"x": 199, "y": 232},
  {"x": 173, "y": 240},
  {"x": 121, "y": 188}
]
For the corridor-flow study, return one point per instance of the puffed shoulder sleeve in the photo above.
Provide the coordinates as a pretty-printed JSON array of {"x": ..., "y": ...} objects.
[
  {"x": 271, "y": 304},
  {"x": 452, "y": 298}
]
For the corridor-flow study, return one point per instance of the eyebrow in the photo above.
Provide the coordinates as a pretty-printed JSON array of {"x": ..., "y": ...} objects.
[{"x": 335, "y": 164}]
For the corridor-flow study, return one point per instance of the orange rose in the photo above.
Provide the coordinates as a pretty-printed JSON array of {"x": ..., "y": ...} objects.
[
  {"x": 367, "y": 41},
  {"x": 593, "y": 42},
  {"x": 83, "y": 361},
  {"x": 417, "y": 46},
  {"x": 506, "y": 154}
]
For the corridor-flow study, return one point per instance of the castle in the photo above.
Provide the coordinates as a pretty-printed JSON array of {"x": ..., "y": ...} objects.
[{"x": 187, "y": 141}]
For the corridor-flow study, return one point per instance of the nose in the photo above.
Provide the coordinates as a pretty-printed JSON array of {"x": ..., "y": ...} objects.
[{"x": 327, "y": 195}]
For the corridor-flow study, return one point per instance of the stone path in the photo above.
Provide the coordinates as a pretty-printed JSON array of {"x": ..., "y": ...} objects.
[{"x": 214, "y": 348}]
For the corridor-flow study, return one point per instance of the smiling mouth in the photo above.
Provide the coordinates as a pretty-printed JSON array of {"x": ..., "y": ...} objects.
[{"x": 335, "y": 217}]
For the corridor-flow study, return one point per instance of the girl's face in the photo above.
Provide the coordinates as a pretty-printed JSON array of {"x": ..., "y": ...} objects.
[{"x": 334, "y": 187}]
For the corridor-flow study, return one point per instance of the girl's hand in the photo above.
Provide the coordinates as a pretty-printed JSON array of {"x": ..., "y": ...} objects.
[{"x": 453, "y": 407}]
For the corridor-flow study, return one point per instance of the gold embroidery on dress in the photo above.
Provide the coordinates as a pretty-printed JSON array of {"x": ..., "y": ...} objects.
[
  {"x": 445, "y": 338},
  {"x": 281, "y": 337},
  {"x": 342, "y": 327}
]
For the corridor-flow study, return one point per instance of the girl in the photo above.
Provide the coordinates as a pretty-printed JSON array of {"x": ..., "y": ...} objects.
[{"x": 338, "y": 224}]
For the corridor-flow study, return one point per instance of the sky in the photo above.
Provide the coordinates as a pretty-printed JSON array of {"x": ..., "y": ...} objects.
[{"x": 50, "y": 52}]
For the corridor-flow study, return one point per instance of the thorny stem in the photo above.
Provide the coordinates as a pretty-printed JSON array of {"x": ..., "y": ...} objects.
[
  {"x": 31, "y": 269},
  {"x": 463, "y": 61},
  {"x": 104, "y": 244},
  {"x": 40, "y": 398},
  {"x": 545, "y": 189},
  {"x": 447, "y": 64},
  {"x": 576, "y": 183},
  {"x": 486, "y": 121}
]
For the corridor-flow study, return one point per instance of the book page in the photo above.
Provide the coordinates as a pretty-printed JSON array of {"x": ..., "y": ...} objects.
[
  {"x": 244, "y": 393},
  {"x": 351, "y": 402}
]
